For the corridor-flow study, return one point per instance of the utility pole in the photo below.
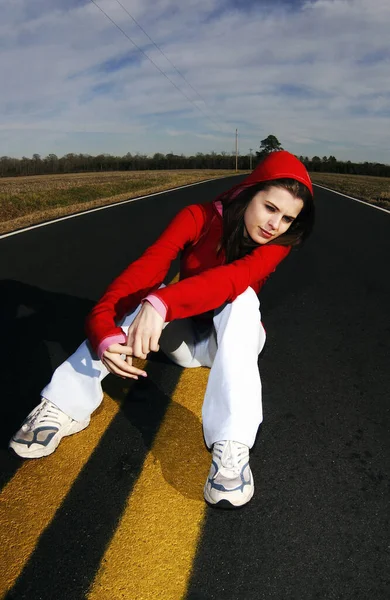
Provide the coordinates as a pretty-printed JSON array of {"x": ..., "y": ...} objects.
[
  {"x": 250, "y": 158},
  {"x": 236, "y": 150}
]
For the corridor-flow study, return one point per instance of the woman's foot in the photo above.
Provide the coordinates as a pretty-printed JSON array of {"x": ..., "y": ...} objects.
[
  {"x": 230, "y": 481},
  {"x": 43, "y": 430}
]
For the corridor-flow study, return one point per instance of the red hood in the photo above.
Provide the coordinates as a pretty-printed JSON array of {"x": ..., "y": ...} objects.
[{"x": 276, "y": 165}]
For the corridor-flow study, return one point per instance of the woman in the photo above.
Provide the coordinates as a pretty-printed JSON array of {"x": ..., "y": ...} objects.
[{"x": 228, "y": 247}]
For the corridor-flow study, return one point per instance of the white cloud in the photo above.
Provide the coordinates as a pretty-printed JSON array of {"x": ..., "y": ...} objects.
[{"x": 316, "y": 76}]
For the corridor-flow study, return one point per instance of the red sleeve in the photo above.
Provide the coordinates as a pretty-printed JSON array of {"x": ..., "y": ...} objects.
[
  {"x": 143, "y": 275},
  {"x": 213, "y": 287}
]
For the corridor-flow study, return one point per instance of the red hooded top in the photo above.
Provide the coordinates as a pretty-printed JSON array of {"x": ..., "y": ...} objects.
[
  {"x": 205, "y": 282},
  {"x": 277, "y": 165}
]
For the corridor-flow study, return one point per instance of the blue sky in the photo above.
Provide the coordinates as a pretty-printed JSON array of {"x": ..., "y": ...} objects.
[{"x": 314, "y": 73}]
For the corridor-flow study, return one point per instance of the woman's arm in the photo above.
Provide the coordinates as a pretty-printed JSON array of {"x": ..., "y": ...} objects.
[
  {"x": 210, "y": 289},
  {"x": 142, "y": 276},
  {"x": 195, "y": 295}
]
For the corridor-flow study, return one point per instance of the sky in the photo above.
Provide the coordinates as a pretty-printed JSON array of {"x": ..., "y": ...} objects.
[{"x": 314, "y": 73}]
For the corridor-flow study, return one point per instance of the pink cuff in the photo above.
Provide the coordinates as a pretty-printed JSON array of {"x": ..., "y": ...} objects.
[
  {"x": 218, "y": 205},
  {"x": 158, "y": 304},
  {"x": 120, "y": 338}
]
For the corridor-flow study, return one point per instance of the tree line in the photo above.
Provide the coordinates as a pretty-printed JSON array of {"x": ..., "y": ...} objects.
[{"x": 84, "y": 163}]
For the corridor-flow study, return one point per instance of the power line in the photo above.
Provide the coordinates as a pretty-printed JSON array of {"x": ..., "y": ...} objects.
[
  {"x": 157, "y": 67},
  {"x": 166, "y": 57}
]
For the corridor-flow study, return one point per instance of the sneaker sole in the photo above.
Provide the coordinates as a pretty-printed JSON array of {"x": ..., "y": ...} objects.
[
  {"x": 23, "y": 450},
  {"x": 224, "y": 503}
]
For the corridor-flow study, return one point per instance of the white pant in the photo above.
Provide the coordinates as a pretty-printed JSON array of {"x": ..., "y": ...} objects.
[{"x": 232, "y": 408}]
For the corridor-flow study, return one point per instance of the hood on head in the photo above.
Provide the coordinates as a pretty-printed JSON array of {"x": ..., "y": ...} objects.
[{"x": 276, "y": 165}]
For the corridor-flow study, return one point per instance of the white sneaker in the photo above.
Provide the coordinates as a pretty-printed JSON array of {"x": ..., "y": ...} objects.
[
  {"x": 43, "y": 430},
  {"x": 230, "y": 481}
]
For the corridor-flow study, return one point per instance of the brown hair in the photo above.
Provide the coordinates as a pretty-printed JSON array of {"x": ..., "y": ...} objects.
[{"x": 236, "y": 244}]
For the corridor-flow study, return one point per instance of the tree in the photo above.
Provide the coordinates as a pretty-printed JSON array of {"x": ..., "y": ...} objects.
[
  {"x": 52, "y": 160},
  {"x": 37, "y": 163},
  {"x": 268, "y": 145}
]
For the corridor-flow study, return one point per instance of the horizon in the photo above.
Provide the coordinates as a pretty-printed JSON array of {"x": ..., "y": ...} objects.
[{"x": 151, "y": 156}]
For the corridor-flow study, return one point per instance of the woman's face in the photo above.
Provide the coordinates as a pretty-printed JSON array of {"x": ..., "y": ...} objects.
[{"x": 270, "y": 213}]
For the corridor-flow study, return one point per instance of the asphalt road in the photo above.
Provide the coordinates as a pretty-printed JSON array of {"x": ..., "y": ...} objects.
[{"x": 318, "y": 526}]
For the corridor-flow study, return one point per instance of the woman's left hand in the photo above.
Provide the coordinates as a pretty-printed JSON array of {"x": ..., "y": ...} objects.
[{"x": 145, "y": 331}]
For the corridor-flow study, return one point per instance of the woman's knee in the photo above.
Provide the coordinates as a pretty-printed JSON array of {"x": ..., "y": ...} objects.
[
  {"x": 262, "y": 338},
  {"x": 248, "y": 298},
  {"x": 177, "y": 343},
  {"x": 246, "y": 304},
  {"x": 241, "y": 319}
]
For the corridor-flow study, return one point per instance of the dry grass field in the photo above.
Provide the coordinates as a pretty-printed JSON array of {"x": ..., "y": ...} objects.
[
  {"x": 26, "y": 201},
  {"x": 375, "y": 190}
]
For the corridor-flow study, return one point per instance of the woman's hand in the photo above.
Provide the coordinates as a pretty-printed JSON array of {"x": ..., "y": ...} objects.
[
  {"x": 113, "y": 361},
  {"x": 144, "y": 332}
]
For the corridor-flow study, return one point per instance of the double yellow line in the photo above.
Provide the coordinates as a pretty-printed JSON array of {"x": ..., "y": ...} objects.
[{"x": 152, "y": 551}]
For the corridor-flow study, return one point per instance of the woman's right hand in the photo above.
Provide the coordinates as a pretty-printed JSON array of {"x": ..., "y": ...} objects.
[{"x": 113, "y": 361}]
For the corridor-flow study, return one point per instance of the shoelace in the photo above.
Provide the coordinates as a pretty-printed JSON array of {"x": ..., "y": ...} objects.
[
  {"x": 232, "y": 455},
  {"x": 31, "y": 423}
]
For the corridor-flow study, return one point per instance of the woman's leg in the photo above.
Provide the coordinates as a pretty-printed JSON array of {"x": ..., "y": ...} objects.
[
  {"x": 232, "y": 408},
  {"x": 188, "y": 344},
  {"x": 73, "y": 393},
  {"x": 76, "y": 385}
]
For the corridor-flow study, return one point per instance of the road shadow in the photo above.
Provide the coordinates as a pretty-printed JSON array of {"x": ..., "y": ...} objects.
[
  {"x": 179, "y": 448},
  {"x": 40, "y": 329},
  {"x": 173, "y": 433}
]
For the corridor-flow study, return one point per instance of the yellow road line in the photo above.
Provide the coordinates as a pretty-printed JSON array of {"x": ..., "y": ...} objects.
[
  {"x": 32, "y": 497},
  {"x": 152, "y": 551}
]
